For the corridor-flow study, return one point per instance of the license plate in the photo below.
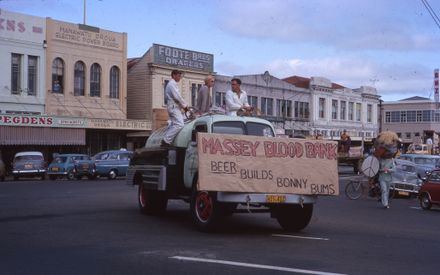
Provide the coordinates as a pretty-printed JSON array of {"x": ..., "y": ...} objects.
[
  {"x": 85, "y": 166},
  {"x": 55, "y": 169},
  {"x": 28, "y": 166},
  {"x": 403, "y": 193},
  {"x": 275, "y": 198}
]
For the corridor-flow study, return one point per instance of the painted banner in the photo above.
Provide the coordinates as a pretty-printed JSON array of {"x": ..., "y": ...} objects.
[{"x": 237, "y": 163}]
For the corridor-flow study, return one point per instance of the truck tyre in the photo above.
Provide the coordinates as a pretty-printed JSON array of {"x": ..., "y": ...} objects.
[
  {"x": 151, "y": 202},
  {"x": 206, "y": 211},
  {"x": 293, "y": 217},
  {"x": 70, "y": 175}
]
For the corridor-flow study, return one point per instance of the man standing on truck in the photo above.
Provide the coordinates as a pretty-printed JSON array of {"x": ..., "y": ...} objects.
[
  {"x": 175, "y": 103},
  {"x": 236, "y": 99},
  {"x": 203, "y": 104}
]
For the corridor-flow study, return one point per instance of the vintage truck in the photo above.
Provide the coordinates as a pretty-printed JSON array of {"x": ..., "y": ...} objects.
[
  {"x": 164, "y": 173},
  {"x": 352, "y": 155}
]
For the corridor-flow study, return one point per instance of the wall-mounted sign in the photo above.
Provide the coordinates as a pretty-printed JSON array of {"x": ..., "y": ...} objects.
[
  {"x": 184, "y": 59},
  {"x": 74, "y": 122}
]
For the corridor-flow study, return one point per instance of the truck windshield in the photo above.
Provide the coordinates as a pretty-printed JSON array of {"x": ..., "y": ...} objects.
[
  {"x": 239, "y": 128},
  {"x": 229, "y": 127},
  {"x": 258, "y": 129}
]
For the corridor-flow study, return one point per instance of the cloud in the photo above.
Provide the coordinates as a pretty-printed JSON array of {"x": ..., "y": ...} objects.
[{"x": 354, "y": 25}]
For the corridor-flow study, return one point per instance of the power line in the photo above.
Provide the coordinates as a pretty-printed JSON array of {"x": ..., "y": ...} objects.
[{"x": 432, "y": 13}]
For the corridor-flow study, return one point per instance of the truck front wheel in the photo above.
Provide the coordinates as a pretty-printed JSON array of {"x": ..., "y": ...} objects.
[
  {"x": 151, "y": 202},
  {"x": 205, "y": 210},
  {"x": 293, "y": 217}
]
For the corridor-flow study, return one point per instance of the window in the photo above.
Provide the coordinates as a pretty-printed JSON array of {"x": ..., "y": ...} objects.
[
  {"x": 114, "y": 82},
  {"x": 350, "y": 110},
  {"x": 343, "y": 110},
  {"x": 253, "y": 101},
  {"x": 229, "y": 127},
  {"x": 258, "y": 129},
  {"x": 79, "y": 79},
  {"x": 402, "y": 116},
  {"x": 411, "y": 116},
  {"x": 301, "y": 110},
  {"x": 395, "y": 116},
  {"x": 57, "y": 76},
  {"x": 369, "y": 113},
  {"x": 321, "y": 108},
  {"x": 407, "y": 135},
  {"x": 419, "y": 116},
  {"x": 334, "y": 109},
  {"x": 387, "y": 117},
  {"x": 95, "y": 80},
  {"x": 220, "y": 99},
  {"x": 32, "y": 75},
  {"x": 267, "y": 106},
  {"x": 194, "y": 90},
  {"x": 358, "y": 111},
  {"x": 165, "y": 83},
  {"x": 15, "y": 73},
  {"x": 426, "y": 115}
]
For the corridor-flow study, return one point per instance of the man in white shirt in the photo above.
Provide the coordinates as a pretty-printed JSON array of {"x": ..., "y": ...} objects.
[
  {"x": 236, "y": 99},
  {"x": 175, "y": 103}
]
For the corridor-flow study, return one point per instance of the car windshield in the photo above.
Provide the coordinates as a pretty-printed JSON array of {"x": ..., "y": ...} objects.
[
  {"x": 28, "y": 157},
  {"x": 259, "y": 129},
  {"x": 228, "y": 127},
  {"x": 428, "y": 161}
]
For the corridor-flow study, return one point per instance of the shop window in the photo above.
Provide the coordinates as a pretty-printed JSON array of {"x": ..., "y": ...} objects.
[
  {"x": 95, "y": 80},
  {"x": 57, "y": 75},
  {"x": 79, "y": 79},
  {"x": 114, "y": 82},
  {"x": 16, "y": 73}
]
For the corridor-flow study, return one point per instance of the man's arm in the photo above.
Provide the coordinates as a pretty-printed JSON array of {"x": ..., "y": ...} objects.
[{"x": 175, "y": 95}]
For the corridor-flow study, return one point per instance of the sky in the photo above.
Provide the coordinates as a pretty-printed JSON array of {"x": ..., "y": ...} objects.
[{"x": 389, "y": 45}]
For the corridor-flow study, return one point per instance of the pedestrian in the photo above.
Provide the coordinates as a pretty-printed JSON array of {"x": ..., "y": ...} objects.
[
  {"x": 385, "y": 178},
  {"x": 175, "y": 104},
  {"x": 203, "y": 104},
  {"x": 236, "y": 99},
  {"x": 429, "y": 143}
]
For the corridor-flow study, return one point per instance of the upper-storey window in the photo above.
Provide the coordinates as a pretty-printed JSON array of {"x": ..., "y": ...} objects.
[
  {"x": 16, "y": 73},
  {"x": 114, "y": 82},
  {"x": 79, "y": 79},
  {"x": 95, "y": 80},
  {"x": 58, "y": 75}
]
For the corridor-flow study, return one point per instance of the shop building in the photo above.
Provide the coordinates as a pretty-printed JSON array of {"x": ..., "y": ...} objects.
[
  {"x": 148, "y": 76},
  {"x": 414, "y": 119}
]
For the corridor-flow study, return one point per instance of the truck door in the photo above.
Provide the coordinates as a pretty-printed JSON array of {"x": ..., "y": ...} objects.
[{"x": 191, "y": 162}]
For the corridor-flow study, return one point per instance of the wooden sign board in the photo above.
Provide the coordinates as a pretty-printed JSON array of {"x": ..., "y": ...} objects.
[{"x": 251, "y": 164}]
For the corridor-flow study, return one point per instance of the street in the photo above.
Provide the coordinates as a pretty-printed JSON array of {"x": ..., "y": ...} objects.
[{"x": 94, "y": 227}]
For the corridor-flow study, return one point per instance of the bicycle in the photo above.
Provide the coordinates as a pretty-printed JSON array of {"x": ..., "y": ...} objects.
[{"x": 356, "y": 187}]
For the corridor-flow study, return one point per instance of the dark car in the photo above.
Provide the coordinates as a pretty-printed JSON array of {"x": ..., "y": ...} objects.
[
  {"x": 430, "y": 190},
  {"x": 29, "y": 164},
  {"x": 71, "y": 166},
  {"x": 113, "y": 163}
]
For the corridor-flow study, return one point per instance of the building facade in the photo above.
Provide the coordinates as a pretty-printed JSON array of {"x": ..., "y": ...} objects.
[
  {"x": 414, "y": 119},
  {"x": 334, "y": 108},
  {"x": 149, "y": 75},
  {"x": 280, "y": 102}
]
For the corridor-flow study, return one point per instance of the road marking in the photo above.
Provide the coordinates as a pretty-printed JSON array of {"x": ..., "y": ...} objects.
[
  {"x": 414, "y": 207},
  {"x": 300, "y": 237},
  {"x": 242, "y": 264}
]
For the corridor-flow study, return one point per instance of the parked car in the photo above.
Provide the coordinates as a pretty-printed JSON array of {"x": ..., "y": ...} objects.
[
  {"x": 2, "y": 169},
  {"x": 29, "y": 164},
  {"x": 71, "y": 166},
  {"x": 405, "y": 180},
  {"x": 113, "y": 163},
  {"x": 424, "y": 163},
  {"x": 430, "y": 190},
  {"x": 419, "y": 149}
]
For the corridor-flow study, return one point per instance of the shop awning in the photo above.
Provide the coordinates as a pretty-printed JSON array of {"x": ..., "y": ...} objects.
[{"x": 13, "y": 135}]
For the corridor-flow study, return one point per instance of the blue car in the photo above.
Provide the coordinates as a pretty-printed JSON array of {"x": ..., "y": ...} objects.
[
  {"x": 113, "y": 163},
  {"x": 71, "y": 166}
]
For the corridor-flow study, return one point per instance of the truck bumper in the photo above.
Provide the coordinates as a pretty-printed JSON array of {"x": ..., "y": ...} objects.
[{"x": 262, "y": 198}]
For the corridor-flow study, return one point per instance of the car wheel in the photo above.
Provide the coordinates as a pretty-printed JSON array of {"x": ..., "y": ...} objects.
[
  {"x": 70, "y": 175},
  {"x": 293, "y": 217},
  {"x": 52, "y": 177},
  {"x": 151, "y": 202},
  {"x": 112, "y": 174},
  {"x": 206, "y": 212},
  {"x": 425, "y": 202}
]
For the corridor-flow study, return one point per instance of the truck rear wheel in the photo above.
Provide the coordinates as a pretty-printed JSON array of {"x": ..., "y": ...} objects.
[
  {"x": 206, "y": 211},
  {"x": 293, "y": 217},
  {"x": 151, "y": 202}
]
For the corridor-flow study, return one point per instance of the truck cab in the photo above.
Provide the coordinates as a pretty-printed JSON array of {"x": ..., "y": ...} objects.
[{"x": 164, "y": 173}]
